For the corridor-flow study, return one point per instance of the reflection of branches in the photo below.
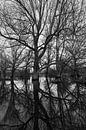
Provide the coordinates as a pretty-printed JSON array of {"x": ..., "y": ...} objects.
[
  {"x": 20, "y": 126},
  {"x": 47, "y": 95}
]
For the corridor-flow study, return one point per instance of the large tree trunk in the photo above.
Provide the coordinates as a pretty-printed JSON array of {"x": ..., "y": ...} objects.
[
  {"x": 36, "y": 102},
  {"x": 35, "y": 80}
]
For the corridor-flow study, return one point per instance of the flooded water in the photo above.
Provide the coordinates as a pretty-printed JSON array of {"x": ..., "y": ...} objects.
[{"x": 42, "y": 81}]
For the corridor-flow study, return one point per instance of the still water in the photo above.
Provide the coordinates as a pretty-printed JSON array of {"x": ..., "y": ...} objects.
[{"x": 42, "y": 81}]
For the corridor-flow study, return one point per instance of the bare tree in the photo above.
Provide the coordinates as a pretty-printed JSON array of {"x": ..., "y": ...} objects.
[
  {"x": 34, "y": 24},
  {"x": 15, "y": 59}
]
